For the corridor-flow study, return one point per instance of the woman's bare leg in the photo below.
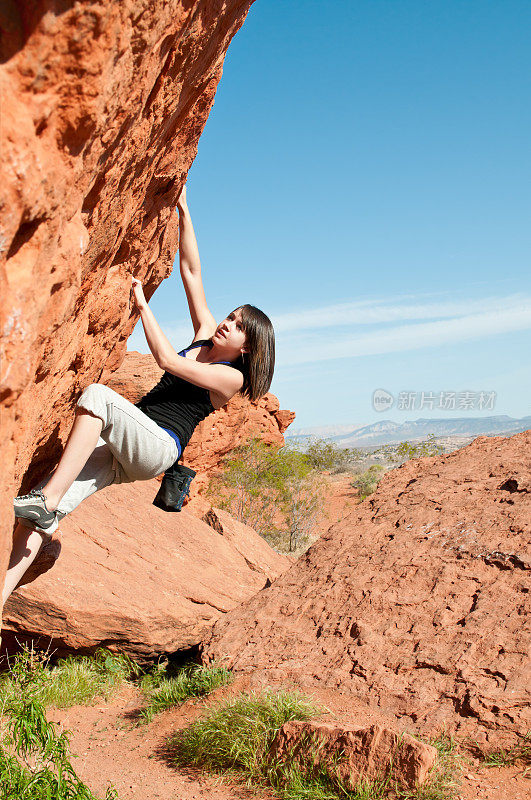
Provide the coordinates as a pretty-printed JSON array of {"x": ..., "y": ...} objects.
[
  {"x": 26, "y": 545},
  {"x": 83, "y": 439}
]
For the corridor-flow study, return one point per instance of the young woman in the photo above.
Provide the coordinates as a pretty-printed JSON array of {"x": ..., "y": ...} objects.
[{"x": 114, "y": 441}]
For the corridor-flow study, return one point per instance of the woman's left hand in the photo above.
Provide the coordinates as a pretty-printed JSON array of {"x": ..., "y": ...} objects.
[{"x": 138, "y": 294}]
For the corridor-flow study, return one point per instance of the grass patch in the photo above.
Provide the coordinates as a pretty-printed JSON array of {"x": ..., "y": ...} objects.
[
  {"x": 509, "y": 756},
  {"x": 443, "y": 781},
  {"x": 72, "y": 681},
  {"x": 236, "y": 734},
  {"x": 34, "y": 757},
  {"x": 235, "y": 737},
  {"x": 163, "y": 690}
]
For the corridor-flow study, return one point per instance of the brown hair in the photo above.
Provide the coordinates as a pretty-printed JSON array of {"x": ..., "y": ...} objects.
[{"x": 258, "y": 364}]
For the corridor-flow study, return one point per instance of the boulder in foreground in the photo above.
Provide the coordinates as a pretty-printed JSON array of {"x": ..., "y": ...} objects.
[
  {"x": 353, "y": 754},
  {"x": 133, "y": 577}
]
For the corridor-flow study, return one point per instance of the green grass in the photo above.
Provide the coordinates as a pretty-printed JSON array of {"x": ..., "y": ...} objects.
[
  {"x": 34, "y": 757},
  {"x": 73, "y": 680},
  {"x": 163, "y": 690},
  {"x": 507, "y": 757},
  {"x": 235, "y": 736},
  {"x": 443, "y": 781}
]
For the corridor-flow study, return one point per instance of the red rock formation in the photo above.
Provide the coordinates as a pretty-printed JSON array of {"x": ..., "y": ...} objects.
[
  {"x": 103, "y": 104},
  {"x": 416, "y": 602},
  {"x": 354, "y": 754},
  {"x": 148, "y": 583}
]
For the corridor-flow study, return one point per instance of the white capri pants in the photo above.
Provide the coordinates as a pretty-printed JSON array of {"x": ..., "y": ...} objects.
[{"x": 131, "y": 448}]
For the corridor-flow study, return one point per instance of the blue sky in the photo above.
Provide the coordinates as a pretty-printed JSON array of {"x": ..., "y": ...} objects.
[{"x": 365, "y": 178}]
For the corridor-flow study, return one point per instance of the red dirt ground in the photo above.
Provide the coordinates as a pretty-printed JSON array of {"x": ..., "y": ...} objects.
[{"x": 109, "y": 747}]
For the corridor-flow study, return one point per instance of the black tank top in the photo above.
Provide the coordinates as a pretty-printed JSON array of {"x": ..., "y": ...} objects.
[{"x": 178, "y": 404}]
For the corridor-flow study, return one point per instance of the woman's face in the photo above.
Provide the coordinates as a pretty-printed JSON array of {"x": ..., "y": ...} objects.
[{"x": 230, "y": 333}]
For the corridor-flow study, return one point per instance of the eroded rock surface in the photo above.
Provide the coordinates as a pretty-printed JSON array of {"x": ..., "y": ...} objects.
[
  {"x": 416, "y": 602},
  {"x": 103, "y": 104},
  {"x": 145, "y": 581},
  {"x": 354, "y": 754}
]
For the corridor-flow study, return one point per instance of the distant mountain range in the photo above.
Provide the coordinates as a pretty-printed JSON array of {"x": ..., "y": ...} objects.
[{"x": 388, "y": 432}]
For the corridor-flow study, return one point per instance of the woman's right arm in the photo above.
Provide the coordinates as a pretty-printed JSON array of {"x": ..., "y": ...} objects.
[{"x": 202, "y": 319}]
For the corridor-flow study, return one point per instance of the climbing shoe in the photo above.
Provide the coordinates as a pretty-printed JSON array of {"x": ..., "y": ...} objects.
[
  {"x": 174, "y": 488},
  {"x": 31, "y": 511}
]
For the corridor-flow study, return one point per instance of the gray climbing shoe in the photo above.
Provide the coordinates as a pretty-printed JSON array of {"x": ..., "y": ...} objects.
[{"x": 31, "y": 511}]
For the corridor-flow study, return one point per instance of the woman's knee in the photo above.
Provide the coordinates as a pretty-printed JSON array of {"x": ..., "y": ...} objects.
[{"x": 95, "y": 399}]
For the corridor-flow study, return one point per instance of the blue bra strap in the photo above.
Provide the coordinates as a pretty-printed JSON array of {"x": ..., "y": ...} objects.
[{"x": 200, "y": 343}]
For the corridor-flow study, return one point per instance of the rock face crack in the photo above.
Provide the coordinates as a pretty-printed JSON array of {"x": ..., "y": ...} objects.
[
  {"x": 511, "y": 485},
  {"x": 505, "y": 560},
  {"x": 435, "y": 667}
]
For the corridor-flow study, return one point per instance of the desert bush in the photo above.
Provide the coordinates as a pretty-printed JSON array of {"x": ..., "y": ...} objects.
[
  {"x": 367, "y": 482},
  {"x": 405, "y": 451},
  {"x": 237, "y": 734},
  {"x": 326, "y": 455},
  {"x": 274, "y": 490},
  {"x": 34, "y": 757},
  {"x": 164, "y": 690}
]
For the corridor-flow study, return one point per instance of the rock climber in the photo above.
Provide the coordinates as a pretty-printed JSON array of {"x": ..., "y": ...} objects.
[{"x": 114, "y": 441}]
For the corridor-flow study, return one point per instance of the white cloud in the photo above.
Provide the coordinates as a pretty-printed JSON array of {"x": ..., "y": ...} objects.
[
  {"x": 492, "y": 322},
  {"x": 371, "y": 312}
]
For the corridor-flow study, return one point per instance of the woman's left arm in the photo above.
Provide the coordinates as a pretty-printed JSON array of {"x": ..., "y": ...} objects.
[{"x": 222, "y": 379}]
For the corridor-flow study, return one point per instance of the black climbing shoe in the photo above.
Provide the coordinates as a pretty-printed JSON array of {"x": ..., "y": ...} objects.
[{"x": 174, "y": 488}]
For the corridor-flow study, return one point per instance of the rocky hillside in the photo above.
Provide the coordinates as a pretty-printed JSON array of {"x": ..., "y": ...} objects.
[
  {"x": 103, "y": 104},
  {"x": 416, "y": 602}
]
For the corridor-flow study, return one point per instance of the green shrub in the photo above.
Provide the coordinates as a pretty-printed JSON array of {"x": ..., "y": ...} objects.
[
  {"x": 367, "y": 482},
  {"x": 237, "y": 734},
  {"x": 405, "y": 451},
  {"x": 274, "y": 490},
  {"x": 164, "y": 691},
  {"x": 34, "y": 758},
  {"x": 326, "y": 455}
]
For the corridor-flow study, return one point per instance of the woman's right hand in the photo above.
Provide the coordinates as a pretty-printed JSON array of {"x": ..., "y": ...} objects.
[
  {"x": 181, "y": 200},
  {"x": 138, "y": 294}
]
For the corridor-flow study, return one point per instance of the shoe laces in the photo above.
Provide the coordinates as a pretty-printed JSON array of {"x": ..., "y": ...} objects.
[{"x": 33, "y": 493}]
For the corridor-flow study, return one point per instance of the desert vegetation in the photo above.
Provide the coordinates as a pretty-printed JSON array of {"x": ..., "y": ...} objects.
[
  {"x": 235, "y": 737},
  {"x": 279, "y": 491},
  {"x": 34, "y": 756},
  {"x": 164, "y": 687},
  {"x": 275, "y": 490}
]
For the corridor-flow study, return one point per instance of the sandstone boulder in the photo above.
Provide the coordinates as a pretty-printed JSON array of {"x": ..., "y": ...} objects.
[
  {"x": 103, "y": 104},
  {"x": 352, "y": 754},
  {"x": 144, "y": 581},
  {"x": 417, "y": 601}
]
